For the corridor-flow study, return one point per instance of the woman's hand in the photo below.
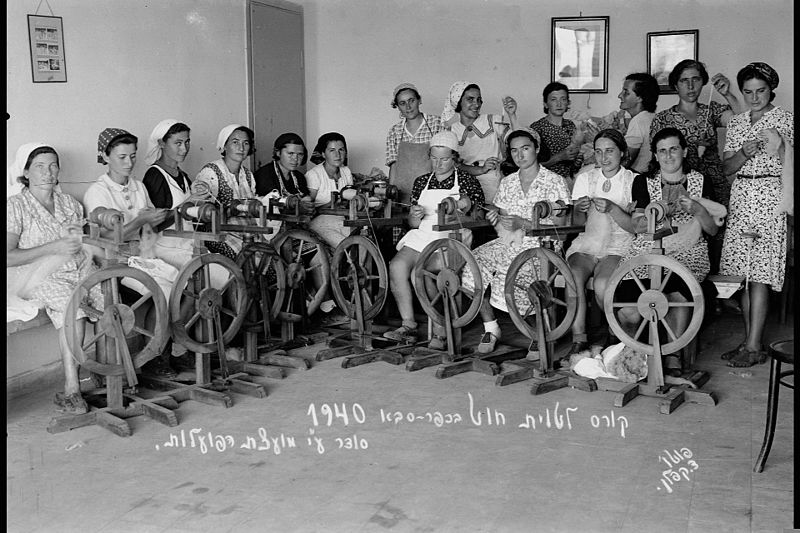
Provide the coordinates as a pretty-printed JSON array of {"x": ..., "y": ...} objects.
[
  {"x": 152, "y": 216},
  {"x": 415, "y": 213},
  {"x": 567, "y": 154},
  {"x": 721, "y": 84},
  {"x": 582, "y": 204},
  {"x": 693, "y": 207},
  {"x": 512, "y": 222},
  {"x": 492, "y": 163},
  {"x": 750, "y": 148},
  {"x": 493, "y": 216},
  {"x": 306, "y": 205},
  {"x": 65, "y": 246},
  {"x": 510, "y": 106},
  {"x": 604, "y": 205}
]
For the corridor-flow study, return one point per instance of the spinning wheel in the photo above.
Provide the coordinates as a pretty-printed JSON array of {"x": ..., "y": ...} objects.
[
  {"x": 207, "y": 303},
  {"x": 652, "y": 303},
  {"x": 114, "y": 323},
  {"x": 452, "y": 257},
  {"x": 360, "y": 278},
  {"x": 296, "y": 247},
  {"x": 531, "y": 264},
  {"x": 265, "y": 279}
]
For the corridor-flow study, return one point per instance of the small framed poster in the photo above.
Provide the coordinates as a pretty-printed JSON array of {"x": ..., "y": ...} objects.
[
  {"x": 46, "y": 36},
  {"x": 665, "y": 49}
]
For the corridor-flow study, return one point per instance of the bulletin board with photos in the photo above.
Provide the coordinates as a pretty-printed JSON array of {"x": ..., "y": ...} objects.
[{"x": 46, "y": 36}]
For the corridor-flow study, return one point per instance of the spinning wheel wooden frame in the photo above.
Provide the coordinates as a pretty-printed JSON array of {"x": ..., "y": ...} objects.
[{"x": 289, "y": 246}]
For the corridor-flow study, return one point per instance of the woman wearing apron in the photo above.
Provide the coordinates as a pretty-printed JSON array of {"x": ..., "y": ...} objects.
[
  {"x": 479, "y": 136},
  {"x": 428, "y": 192}
]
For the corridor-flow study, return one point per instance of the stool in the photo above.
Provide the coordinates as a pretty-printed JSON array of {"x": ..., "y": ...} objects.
[{"x": 780, "y": 352}]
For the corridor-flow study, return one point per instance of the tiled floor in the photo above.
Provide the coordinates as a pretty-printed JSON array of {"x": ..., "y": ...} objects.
[{"x": 478, "y": 475}]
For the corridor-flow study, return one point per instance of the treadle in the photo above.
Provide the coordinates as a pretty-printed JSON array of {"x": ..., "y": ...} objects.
[
  {"x": 332, "y": 353},
  {"x": 257, "y": 369},
  {"x": 488, "y": 364},
  {"x": 187, "y": 391},
  {"x": 425, "y": 357},
  {"x": 387, "y": 356},
  {"x": 546, "y": 383},
  {"x": 282, "y": 358},
  {"x": 240, "y": 383},
  {"x": 670, "y": 396}
]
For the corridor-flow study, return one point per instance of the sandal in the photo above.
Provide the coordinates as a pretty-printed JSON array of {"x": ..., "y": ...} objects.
[
  {"x": 488, "y": 342},
  {"x": 73, "y": 404},
  {"x": 730, "y": 354},
  {"x": 746, "y": 358},
  {"x": 438, "y": 342},
  {"x": 672, "y": 366},
  {"x": 402, "y": 333}
]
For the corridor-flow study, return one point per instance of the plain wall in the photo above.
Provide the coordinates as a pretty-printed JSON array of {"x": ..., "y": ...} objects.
[
  {"x": 359, "y": 50},
  {"x": 130, "y": 64}
]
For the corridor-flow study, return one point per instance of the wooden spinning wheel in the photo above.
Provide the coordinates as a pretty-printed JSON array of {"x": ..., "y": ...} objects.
[
  {"x": 443, "y": 262},
  {"x": 114, "y": 322},
  {"x": 265, "y": 280},
  {"x": 652, "y": 303},
  {"x": 207, "y": 304},
  {"x": 541, "y": 266},
  {"x": 359, "y": 278},
  {"x": 296, "y": 248}
]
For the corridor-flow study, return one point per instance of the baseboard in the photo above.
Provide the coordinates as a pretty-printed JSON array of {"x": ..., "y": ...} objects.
[{"x": 45, "y": 376}]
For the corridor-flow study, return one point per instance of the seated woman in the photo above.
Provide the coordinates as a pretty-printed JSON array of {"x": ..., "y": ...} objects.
[
  {"x": 228, "y": 179},
  {"x": 480, "y": 137},
  {"x": 560, "y": 152},
  {"x": 282, "y": 176},
  {"x": 330, "y": 175},
  {"x": 516, "y": 196},
  {"x": 601, "y": 199},
  {"x": 639, "y": 97},
  {"x": 427, "y": 193},
  {"x": 687, "y": 194},
  {"x": 407, "y": 143},
  {"x": 43, "y": 228}
]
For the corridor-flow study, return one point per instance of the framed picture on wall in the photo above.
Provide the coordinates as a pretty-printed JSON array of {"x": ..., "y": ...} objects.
[
  {"x": 665, "y": 49},
  {"x": 46, "y": 37},
  {"x": 579, "y": 53}
]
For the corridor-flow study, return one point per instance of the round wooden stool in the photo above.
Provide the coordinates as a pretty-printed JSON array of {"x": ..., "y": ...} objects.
[{"x": 780, "y": 352}]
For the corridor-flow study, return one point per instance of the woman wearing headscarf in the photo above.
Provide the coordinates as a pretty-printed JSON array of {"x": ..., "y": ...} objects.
[
  {"x": 227, "y": 179},
  {"x": 407, "y": 140},
  {"x": 480, "y": 137},
  {"x": 758, "y": 152},
  {"x": 698, "y": 123},
  {"x": 43, "y": 249}
]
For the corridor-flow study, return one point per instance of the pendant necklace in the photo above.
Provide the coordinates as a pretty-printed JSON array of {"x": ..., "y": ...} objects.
[{"x": 606, "y": 184}]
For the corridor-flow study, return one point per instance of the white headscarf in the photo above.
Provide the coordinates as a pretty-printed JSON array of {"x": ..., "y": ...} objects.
[
  {"x": 153, "y": 147},
  {"x": 224, "y": 133},
  {"x": 17, "y": 168},
  {"x": 453, "y": 97}
]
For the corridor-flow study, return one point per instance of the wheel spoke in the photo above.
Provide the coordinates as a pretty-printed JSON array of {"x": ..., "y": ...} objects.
[
  {"x": 90, "y": 311},
  {"x": 93, "y": 339},
  {"x": 430, "y": 274},
  {"x": 668, "y": 329},
  {"x": 637, "y": 280},
  {"x": 299, "y": 250},
  {"x": 552, "y": 277},
  {"x": 445, "y": 259},
  {"x": 373, "y": 276},
  {"x": 143, "y": 331},
  {"x": 192, "y": 320},
  {"x": 681, "y": 304},
  {"x": 365, "y": 298},
  {"x": 619, "y": 305},
  {"x": 230, "y": 312},
  {"x": 666, "y": 279},
  {"x": 436, "y": 299},
  {"x": 639, "y": 330},
  {"x": 313, "y": 267},
  {"x": 558, "y": 301},
  {"x": 226, "y": 286},
  {"x": 189, "y": 294},
  {"x": 466, "y": 292},
  {"x": 140, "y": 301}
]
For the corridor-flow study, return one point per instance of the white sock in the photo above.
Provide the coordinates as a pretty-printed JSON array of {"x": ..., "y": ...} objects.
[
  {"x": 492, "y": 327},
  {"x": 327, "y": 306}
]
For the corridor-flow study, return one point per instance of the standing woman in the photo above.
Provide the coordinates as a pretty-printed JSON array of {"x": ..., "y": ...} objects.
[
  {"x": 756, "y": 195},
  {"x": 407, "y": 141},
  {"x": 228, "y": 179},
  {"x": 639, "y": 97},
  {"x": 558, "y": 151},
  {"x": 698, "y": 123},
  {"x": 480, "y": 137}
]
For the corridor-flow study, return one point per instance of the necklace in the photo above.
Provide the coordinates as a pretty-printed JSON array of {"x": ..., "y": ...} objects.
[{"x": 606, "y": 184}]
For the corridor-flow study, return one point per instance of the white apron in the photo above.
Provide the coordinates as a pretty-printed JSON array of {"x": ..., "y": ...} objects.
[
  {"x": 176, "y": 251},
  {"x": 418, "y": 238}
]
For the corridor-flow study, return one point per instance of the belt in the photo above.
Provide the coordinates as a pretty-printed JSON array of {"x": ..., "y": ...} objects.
[{"x": 756, "y": 176}]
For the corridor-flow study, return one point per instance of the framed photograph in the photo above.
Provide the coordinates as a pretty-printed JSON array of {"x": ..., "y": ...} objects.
[
  {"x": 46, "y": 37},
  {"x": 579, "y": 53},
  {"x": 665, "y": 49}
]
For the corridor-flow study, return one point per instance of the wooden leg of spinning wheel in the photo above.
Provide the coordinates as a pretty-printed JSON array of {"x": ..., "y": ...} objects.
[
  {"x": 423, "y": 359},
  {"x": 112, "y": 423},
  {"x": 544, "y": 384},
  {"x": 453, "y": 368},
  {"x": 159, "y": 413},
  {"x": 202, "y": 365},
  {"x": 360, "y": 359},
  {"x": 250, "y": 346},
  {"x": 114, "y": 386},
  {"x": 672, "y": 399},
  {"x": 257, "y": 369}
]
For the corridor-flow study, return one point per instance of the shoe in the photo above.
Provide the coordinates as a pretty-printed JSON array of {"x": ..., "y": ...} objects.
[
  {"x": 403, "y": 333},
  {"x": 577, "y": 347},
  {"x": 72, "y": 404},
  {"x": 334, "y": 317},
  {"x": 183, "y": 362},
  {"x": 730, "y": 354},
  {"x": 672, "y": 366},
  {"x": 730, "y": 306},
  {"x": 437, "y": 342},
  {"x": 746, "y": 358},
  {"x": 160, "y": 368},
  {"x": 488, "y": 342}
]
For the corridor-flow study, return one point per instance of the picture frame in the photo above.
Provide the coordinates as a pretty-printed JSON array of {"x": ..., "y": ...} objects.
[
  {"x": 665, "y": 49},
  {"x": 46, "y": 38},
  {"x": 579, "y": 53}
]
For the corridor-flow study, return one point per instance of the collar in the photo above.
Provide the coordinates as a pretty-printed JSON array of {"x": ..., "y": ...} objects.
[{"x": 132, "y": 186}]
